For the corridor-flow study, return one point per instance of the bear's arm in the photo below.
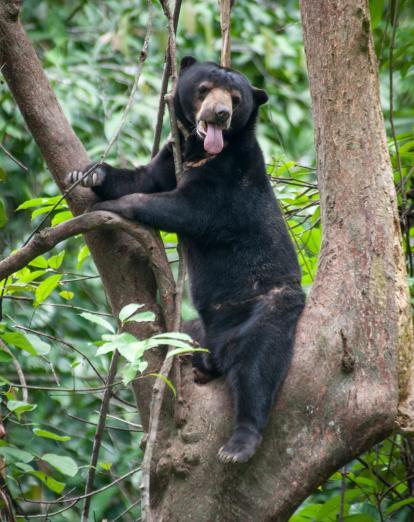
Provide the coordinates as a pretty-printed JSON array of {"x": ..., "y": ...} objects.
[
  {"x": 111, "y": 183},
  {"x": 171, "y": 211}
]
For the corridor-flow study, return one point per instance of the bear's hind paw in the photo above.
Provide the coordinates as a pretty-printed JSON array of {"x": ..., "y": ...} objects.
[{"x": 240, "y": 448}]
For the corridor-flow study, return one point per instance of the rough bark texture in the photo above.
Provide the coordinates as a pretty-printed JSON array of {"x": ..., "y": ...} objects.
[
  {"x": 342, "y": 392},
  {"x": 353, "y": 347},
  {"x": 133, "y": 280}
]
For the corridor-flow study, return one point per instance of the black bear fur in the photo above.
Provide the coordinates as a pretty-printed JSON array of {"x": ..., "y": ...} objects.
[{"x": 243, "y": 270}]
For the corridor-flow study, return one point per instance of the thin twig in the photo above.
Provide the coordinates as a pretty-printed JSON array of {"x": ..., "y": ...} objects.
[
  {"x": 78, "y": 8},
  {"x": 98, "y": 434},
  {"x": 383, "y": 480},
  {"x": 63, "y": 343},
  {"x": 58, "y": 305},
  {"x": 56, "y": 389},
  {"x": 81, "y": 497},
  {"x": 225, "y": 25},
  {"x": 173, "y": 321},
  {"x": 342, "y": 495},
  {"x": 49, "y": 515},
  {"x": 116, "y": 428},
  {"x": 15, "y": 160},
  {"x": 142, "y": 57},
  {"x": 391, "y": 100},
  {"x": 164, "y": 87},
  {"x": 8, "y": 501},
  {"x": 19, "y": 370},
  {"x": 127, "y": 510}
]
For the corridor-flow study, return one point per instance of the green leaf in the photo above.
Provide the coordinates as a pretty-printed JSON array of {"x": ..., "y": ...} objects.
[
  {"x": 65, "y": 465},
  {"x": 163, "y": 378},
  {"x": 27, "y": 275},
  {"x": 133, "y": 352},
  {"x": 19, "y": 407},
  {"x": 179, "y": 351},
  {"x": 157, "y": 341},
  {"x": 60, "y": 217},
  {"x": 84, "y": 253},
  {"x": 39, "y": 202},
  {"x": 400, "y": 504},
  {"x": 130, "y": 371},
  {"x": 19, "y": 340},
  {"x": 376, "y": 8},
  {"x": 360, "y": 518},
  {"x": 66, "y": 294},
  {"x": 3, "y": 175},
  {"x": 13, "y": 454},
  {"x": 42, "y": 210},
  {"x": 97, "y": 319},
  {"x": 39, "y": 345},
  {"x": 174, "y": 335},
  {"x": 126, "y": 343},
  {"x": 105, "y": 465},
  {"x": 24, "y": 467},
  {"x": 39, "y": 262},
  {"x": 141, "y": 317},
  {"x": 331, "y": 506},
  {"x": 3, "y": 215},
  {"x": 56, "y": 261},
  {"x": 128, "y": 310},
  {"x": 36, "y": 202},
  {"x": 46, "y": 287},
  {"x": 49, "y": 482},
  {"x": 50, "y": 435},
  {"x": 5, "y": 357}
]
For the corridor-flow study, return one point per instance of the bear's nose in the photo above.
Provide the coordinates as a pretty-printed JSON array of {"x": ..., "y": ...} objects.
[{"x": 222, "y": 113}]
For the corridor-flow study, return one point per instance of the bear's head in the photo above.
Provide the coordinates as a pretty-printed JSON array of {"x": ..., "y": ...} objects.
[{"x": 213, "y": 100}]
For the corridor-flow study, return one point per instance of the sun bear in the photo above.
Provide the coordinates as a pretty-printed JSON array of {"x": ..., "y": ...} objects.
[{"x": 243, "y": 271}]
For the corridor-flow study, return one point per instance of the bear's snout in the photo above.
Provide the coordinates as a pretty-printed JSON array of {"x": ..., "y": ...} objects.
[{"x": 216, "y": 108}]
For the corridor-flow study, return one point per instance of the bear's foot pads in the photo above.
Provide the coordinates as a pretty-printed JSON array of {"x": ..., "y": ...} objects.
[{"x": 241, "y": 446}]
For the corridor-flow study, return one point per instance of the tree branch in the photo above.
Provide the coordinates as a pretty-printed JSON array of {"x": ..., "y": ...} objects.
[
  {"x": 134, "y": 280},
  {"x": 47, "y": 238},
  {"x": 103, "y": 412},
  {"x": 225, "y": 25}
]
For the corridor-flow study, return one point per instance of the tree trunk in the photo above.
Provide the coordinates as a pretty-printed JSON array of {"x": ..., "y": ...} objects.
[
  {"x": 356, "y": 328},
  {"x": 354, "y": 338}
]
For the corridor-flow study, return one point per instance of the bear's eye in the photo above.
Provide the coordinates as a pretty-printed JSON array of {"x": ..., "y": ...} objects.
[
  {"x": 236, "y": 99},
  {"x": 203, "y": 90}
]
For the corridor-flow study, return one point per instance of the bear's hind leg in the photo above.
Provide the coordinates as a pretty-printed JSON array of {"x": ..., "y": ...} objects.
[{"x": 262, "y": 362}]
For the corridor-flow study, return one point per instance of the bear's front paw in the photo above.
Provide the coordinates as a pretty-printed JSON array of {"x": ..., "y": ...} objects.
[{"x": 95, "y": 178}]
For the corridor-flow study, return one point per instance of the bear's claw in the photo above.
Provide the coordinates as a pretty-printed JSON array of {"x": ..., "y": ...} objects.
[
  {"x": 239, "y": 448},
  {"x": 94, "y": 179}
]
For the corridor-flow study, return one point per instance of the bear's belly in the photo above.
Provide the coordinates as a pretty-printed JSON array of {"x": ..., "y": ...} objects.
[{"x": 222, "y": 273}]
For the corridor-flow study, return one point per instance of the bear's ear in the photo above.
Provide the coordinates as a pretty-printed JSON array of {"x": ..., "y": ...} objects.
[
  {"x": 260, "y": 96},
  {"x": 186, "y": 62}
]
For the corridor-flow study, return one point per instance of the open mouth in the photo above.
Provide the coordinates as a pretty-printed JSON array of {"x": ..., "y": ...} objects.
[{"x": 212, "y": 136}]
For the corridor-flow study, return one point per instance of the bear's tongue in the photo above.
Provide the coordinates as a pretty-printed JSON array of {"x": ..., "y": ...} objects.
[{"x": 213, "y": 142}]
